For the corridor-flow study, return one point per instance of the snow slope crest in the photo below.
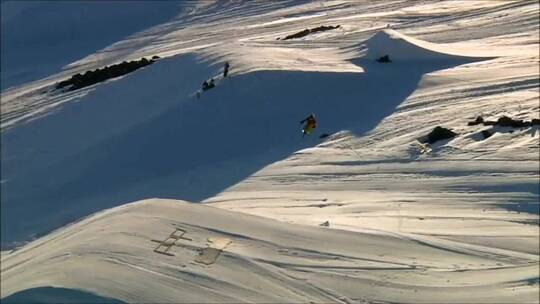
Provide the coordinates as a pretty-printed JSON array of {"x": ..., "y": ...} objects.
[{"x": 401, "y": 47}]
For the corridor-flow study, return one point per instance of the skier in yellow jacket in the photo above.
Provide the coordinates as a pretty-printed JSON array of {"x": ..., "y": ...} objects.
[{"x": 311, "y": 123}]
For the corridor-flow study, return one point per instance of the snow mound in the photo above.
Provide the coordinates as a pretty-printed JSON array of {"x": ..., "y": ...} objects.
[
  {"x": 400, "y": 47},
  {"x": 166, "y": 251}
]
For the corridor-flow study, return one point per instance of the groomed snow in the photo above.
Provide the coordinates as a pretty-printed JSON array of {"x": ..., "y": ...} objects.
[{"x": 367, "y": 214}]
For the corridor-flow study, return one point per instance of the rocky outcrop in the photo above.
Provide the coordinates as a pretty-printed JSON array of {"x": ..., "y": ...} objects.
[
  {"x": 439, "y": 133},
  {"x": 504, "y": 121},
  {"x": 310, "y": 31},
  {"x": 78, "y": 80}
]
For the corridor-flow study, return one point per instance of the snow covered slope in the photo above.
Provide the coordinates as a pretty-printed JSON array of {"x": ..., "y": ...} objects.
[
  {"x": 387, "y": 181},
  {"x": 261, "y": 260},
  {"x": 403, "y": 221},
  {"x": 174, "y": 145}
]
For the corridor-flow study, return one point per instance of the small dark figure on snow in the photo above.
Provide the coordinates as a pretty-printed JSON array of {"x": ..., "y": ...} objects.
[
  {"x": 384, "y": 59},
  {"x": 205, "y": 86},
  {"x": 311, "y": 124},
  {"x": 208, "y": 85},
  {"x": 226, "y": 69}
]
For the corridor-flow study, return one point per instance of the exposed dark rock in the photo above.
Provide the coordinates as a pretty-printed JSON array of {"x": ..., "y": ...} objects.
[
  {"x": 323, "y": 28},
  {"x": 439, "y": 133},
  {"x": 298, "y": 35},
  {"x": 477, "y": 121},
  {"x": 78, "y": 81},
  {"x": 486, "y": 133},
  {"x": 384, "y": 59},
  {"x": 309, "y": 31},
  {"x": 506, "y": 121},
  {"x": 325, "y": 224}
]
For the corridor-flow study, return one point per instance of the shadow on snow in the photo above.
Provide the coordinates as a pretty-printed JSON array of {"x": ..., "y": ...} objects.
[
  {"x": 197, "y": 148},
  {"x": 46, "y": 295}
]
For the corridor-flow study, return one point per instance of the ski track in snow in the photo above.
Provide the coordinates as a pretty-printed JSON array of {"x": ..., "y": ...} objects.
[{"x": 456, "y": 222}]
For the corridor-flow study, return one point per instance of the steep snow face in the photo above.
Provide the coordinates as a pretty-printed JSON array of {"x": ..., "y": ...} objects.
[{"x": 259, "y": 260}]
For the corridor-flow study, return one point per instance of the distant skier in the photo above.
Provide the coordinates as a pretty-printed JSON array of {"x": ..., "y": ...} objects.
[
  {"x": 226, "y": 69},
  {"x": 205, "y": 85},
  {"x": 208, "y": 85},
  {"x": 311, "y": 123}
]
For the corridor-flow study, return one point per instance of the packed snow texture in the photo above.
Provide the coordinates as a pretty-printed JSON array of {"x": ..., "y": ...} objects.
[
  {"x": 365, "y": 214},
  {"x": 267, "y": 261}
]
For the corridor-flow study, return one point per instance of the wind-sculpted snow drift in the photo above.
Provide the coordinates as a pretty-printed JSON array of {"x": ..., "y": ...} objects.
[{"x": 407, "y": 49}]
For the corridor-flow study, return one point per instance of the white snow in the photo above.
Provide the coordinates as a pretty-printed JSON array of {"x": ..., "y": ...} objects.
[
  {"x": 266, "y": 261},
  {"x": 453, "y": 222},
  {"x": 402, "y": 48}
]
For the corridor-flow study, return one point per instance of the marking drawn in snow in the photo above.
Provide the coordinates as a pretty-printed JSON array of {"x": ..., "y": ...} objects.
[
  {"x": 215, "y": 247},
  {"x": 164, "y": 246}
]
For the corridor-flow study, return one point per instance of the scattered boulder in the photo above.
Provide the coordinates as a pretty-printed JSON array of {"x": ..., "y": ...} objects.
[
  {"x": 439, "y": 133},
  {"x": 384, "y": 59},
  {"x": 325, "y": 224},
  {"x": 477, "y": 121}
]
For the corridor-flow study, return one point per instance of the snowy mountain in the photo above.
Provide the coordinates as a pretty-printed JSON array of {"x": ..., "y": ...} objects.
[{"x": 248, "y": 209}]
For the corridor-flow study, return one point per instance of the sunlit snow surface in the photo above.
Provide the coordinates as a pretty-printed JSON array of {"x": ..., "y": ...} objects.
[{"x": 453, "y": 222}]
